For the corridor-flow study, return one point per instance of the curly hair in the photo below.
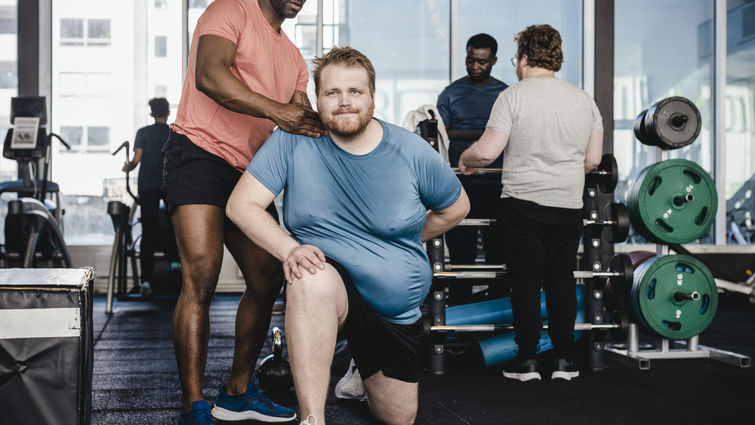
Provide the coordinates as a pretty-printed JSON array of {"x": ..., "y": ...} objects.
[
  {"x": 542, "y": 45},
  {"x": 347, "y": 56}
]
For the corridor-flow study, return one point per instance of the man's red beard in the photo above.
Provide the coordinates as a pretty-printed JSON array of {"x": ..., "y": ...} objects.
[{"x": 351, "y": 128}]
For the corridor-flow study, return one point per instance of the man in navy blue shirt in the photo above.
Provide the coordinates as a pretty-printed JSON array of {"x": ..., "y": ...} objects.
[
  {"x": 148, "y": 146},
  {"x": 358, "y": 203},
  {"x": 465, "y": 105}
]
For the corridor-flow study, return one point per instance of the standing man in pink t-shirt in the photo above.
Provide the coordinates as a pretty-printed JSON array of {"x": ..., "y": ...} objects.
[{"x": 244, "y": 78}]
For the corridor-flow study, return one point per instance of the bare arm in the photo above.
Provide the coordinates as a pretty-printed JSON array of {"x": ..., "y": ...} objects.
[
  {"x": 483, "y": 151},
  {"x": 594, "y": 151},
  {"x": 301, "y": 98},
  {"x": 246, "y": 209},
  {"x": 130, "y": 165},
  {"x": 214, "y": 78},
  {"x": 438, "y": 222}
]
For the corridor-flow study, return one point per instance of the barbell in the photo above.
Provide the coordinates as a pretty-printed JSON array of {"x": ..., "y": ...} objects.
[
  {"x": 620, "y": 269},
  {"x": 618, "y": 327},
  {"x": 605, "y": 176}
]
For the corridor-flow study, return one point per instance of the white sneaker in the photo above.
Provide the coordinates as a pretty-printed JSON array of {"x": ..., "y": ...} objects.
[
  {"x": 350, "y": 386},
  {"x": 307, "y": 422}
]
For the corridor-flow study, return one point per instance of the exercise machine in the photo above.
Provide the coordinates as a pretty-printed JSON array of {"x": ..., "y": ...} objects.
[
  {"x": 33, "y": 230},
  {"x": 124, "y": 250}
]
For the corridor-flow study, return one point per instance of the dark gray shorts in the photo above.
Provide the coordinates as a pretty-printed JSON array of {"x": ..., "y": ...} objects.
[
  {"x": 376, "y": 344},
  {"x": 192, "y": 175}
]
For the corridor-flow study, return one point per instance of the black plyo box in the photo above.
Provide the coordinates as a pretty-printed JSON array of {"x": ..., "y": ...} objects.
[{"x": 46, "y": 346}]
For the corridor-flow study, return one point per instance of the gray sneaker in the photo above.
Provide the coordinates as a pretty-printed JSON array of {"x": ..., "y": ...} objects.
[
  {"x": 145, "y": 290},
  {"x": 350, "y": 387}
]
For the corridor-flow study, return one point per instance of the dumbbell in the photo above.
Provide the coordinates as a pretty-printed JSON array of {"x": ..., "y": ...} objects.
[
  {"x": 606, "y": 176},
  {"x": 616, "y": 217}
]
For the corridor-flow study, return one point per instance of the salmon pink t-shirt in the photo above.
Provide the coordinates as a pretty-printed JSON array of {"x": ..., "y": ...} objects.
[{"x": 266, "y": 61}]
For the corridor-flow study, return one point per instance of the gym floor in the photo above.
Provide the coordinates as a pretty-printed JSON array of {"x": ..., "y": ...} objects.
[{"x": 136, "y": 382}]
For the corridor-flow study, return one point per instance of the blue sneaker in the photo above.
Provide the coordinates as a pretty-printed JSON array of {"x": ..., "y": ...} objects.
[
  {"x": 250, "y": 405},
  {"x": 199, "y": 414}
]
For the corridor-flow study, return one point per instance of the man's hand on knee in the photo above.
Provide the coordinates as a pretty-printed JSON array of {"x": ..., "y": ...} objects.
[{"x": 308, "y": 257}]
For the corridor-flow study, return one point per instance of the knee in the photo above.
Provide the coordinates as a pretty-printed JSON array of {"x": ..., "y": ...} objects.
[
  {"x": 200, "y": 276},
  {"x": 401, "y": 416},
  {"x": 318, "y": 287}
]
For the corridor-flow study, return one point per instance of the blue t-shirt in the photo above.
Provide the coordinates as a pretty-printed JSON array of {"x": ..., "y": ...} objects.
[
  {"x": 465, "y": 106},
  {"x": 364, "y": 211},
  {"x": 151, "y": 140}
]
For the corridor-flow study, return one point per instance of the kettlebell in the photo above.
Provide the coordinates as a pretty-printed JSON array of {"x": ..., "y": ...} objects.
[{"x": 274, "y": 373}]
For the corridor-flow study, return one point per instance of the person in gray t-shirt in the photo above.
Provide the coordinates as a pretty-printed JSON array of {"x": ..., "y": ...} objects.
[{"x": 552, "y": 134}]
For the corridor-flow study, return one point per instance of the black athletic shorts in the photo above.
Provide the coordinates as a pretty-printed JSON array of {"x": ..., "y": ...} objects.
[
  {"x": 376, "y": 344},
  {"x": 191, "y": 175}
]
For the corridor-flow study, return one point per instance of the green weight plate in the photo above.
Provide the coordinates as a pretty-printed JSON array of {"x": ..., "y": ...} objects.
[
  {"x": 674, "y": 296},
  {"x": 673, "y": 201}
]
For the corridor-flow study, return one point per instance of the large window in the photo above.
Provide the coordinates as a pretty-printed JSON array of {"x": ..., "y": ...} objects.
[
  {"x": 503, "y": 19},
  {"x": 408, "y": 49},
  {"x": 740, "y": 122},
  {"x": 655, "y": 59},
  {"x": 8, "y": 87},
  {"x": 104, "y": 73}
]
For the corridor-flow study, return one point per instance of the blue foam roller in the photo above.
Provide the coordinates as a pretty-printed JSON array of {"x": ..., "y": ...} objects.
[
  {"x": 503, "y": 348},
  {"x": 495, "y": 312}
]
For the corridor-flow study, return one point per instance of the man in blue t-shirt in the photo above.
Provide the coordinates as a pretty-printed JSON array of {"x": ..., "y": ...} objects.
[
  {"x": 148, "y": 150},
  {"x": 465, "y": 106},
  {"x": 358, "y": 203}
]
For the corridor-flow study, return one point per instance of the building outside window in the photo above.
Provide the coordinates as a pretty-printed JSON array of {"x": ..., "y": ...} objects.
[
  {"x": 161, "y": 46},
  {"x": 100, "y": 89},
  {"x": 71, "y": 32},
  {"x": 98, "y": 139},
  {"x": 98, "y": 32},
  {"x": 72, "y": 135}
]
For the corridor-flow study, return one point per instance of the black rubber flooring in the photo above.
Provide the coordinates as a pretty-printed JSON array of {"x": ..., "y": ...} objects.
[{"x": 135, "y": 379}]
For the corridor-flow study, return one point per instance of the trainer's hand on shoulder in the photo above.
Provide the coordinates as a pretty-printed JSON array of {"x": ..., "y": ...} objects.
[
  {"x": 298, "y": 119},
  {"x": 307, "y": 257}
]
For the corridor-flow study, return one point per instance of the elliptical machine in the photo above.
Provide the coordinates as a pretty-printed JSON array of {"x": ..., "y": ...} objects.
[
  {"x": 33, "y": 234},
  {"x": 124, "y": 245},
  {"x": 125, "y": 252}
]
